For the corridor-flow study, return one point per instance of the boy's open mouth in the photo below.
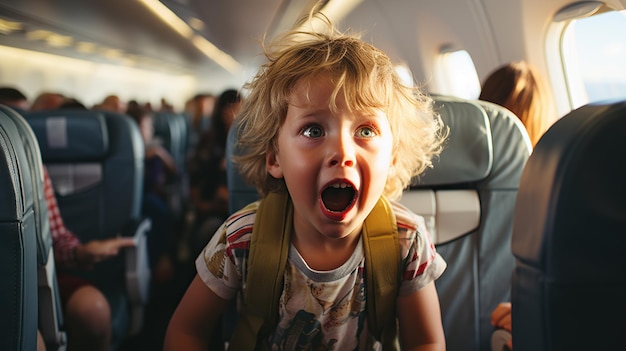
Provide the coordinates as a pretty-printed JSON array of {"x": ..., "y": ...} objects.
[{"x": 338, "y": 197}]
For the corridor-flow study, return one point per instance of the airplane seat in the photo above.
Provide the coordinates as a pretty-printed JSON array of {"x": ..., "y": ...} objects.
[
  {"x": 50, "y": 310},
  {"x": 95, "y": 161},
  {"x": 18, "y": 241},
  {"x": 240, "y": 193},
  {"x": 467, "y": 201},
  {"x": 171, "y": 129},
  {"x": 569, "y": 232}
]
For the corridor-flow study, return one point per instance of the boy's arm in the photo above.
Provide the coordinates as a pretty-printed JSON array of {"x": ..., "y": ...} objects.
[
  {"x": 195, "y": 317},
  {"x": 419, "y": 319}
]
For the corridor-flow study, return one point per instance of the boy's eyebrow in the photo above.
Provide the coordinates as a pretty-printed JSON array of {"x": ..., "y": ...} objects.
[
  {"x": 311, "y": 109},
  {"x": 309, "y": 115}
]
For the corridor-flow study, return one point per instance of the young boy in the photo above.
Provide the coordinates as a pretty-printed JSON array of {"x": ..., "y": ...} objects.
[{"x": 328, "y": 122}]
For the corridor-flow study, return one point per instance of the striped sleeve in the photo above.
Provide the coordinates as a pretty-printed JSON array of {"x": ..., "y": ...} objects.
[
  {"x": 422, "y": 263},
  {"x": 221, "y": 264}
]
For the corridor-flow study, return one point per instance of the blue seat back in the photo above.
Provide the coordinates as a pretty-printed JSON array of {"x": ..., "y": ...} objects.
[
  {"x": 171, "y": 129},
  {"x": 240, "y": 193},
  {"x": 18, "y": 241},
  {"x": 50, "y": 310},
  {"x": 569, "y": 234},
  {"x": 33, "y": 155},
  {"x": 95, "y": 161},
  {"x": 467, "y": 200}
]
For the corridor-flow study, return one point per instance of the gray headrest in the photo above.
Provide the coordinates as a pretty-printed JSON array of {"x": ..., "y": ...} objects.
[
  {"x": 70, "y": 135},
  {"x": 468, "y": 153}
]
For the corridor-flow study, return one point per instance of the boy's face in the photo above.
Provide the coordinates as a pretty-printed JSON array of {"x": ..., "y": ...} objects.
[{"x": 335, "y": 164}]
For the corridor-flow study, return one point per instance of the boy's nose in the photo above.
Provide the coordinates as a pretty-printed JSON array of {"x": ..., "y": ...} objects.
[{"x": 342, "y": 152}]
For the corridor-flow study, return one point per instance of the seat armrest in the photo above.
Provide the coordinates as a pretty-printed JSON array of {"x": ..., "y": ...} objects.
[
  {"x": 51, "y": 323},
  {"x": 137, "y": 271},
  {"x": 499, "y": 338}
]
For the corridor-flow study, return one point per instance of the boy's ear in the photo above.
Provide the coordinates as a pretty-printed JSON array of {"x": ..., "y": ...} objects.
[
  {"x": 273, "y": 165},
  {"x": 392, "y": 167}
]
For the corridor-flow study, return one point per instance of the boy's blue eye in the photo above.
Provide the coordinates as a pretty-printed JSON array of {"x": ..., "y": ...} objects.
[
  {"x": 366, "y": 132},
  {"x": 313, "y": 132}
]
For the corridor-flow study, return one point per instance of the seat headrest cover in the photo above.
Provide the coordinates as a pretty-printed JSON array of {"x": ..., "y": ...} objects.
[
  {"x": 70, "y": 135},
  {"x": 468, "y": 152}
]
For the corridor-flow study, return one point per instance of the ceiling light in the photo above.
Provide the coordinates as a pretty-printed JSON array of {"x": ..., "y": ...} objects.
[
  {"x": 86, "y": 47},
  {"x": 8, "y": 27},
  {"x": 59, "y": 41},
  {"x": 38, "y": 34},
  {"x": 209, "y": 49},
  {"x": 167, "y": 16},
  {"x": 111, "y": 54},
  {"x": 217, "y": 55},
  {"x": 196, "y": 24}
]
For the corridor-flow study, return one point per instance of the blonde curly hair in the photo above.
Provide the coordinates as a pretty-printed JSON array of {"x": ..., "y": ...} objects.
[{"x": 368, "y": 80}]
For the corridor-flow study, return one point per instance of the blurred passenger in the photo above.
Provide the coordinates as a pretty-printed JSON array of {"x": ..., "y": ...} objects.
[
  {"x": 160, "y": 163},
  {"x": 501, "y": 319},
  {"x": 207, "y": 171},
  {"x": 87, "y": 312},
  {"x": 132, "y": 104},
  {"x": 518, "y": 87},
  {"x": 47, "y": 101},
  {"x": 72, "y": 104},
  {"x": 148, "y": 106},
  {"x": 166, "y": 106},
  {"x": 13, "y": 98},
  {"x": 112, "y": 103},
  {"x": 159, "y": 168},
  {"x": 199, "y": 110}
]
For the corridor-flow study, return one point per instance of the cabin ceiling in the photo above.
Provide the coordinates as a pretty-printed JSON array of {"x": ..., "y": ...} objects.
[{"x": 126, "y": 32}]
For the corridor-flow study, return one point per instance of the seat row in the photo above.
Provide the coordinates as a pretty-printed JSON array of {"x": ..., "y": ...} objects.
[
  {"x": 554, "y": 218},
  {"x": 95, "y": 161}
]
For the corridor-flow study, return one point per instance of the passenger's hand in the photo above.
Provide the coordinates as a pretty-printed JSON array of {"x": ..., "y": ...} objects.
[
  {"x": 99, "y": 250},
  {"x": 501, "y": 318}
]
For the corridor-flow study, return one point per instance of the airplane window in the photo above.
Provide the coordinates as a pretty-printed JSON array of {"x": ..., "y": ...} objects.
[
  {"x": 593, "y": 51},
  {"x": 459, "y": 77}
]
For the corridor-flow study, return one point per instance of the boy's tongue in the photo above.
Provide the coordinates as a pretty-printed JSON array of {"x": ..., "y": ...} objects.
[{"x": 337, "y": 199}]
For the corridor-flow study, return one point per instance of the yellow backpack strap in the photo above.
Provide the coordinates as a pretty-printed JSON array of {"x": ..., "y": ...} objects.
[
  {"x": 267, "y": 257},
  {"x": 269, "y": 248},
  {"x": 383, "y": 268}
]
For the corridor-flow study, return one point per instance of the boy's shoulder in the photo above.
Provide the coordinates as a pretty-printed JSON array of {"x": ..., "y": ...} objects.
[
  {"x": 407, "y": 219},
  {"x": 243, "y": 218}
]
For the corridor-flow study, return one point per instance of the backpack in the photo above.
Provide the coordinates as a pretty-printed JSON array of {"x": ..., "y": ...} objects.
[{"x": 267, "y": 258}]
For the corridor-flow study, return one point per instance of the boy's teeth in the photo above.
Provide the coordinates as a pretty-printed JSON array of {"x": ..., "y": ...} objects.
[{"x": 339, "y": 185}]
